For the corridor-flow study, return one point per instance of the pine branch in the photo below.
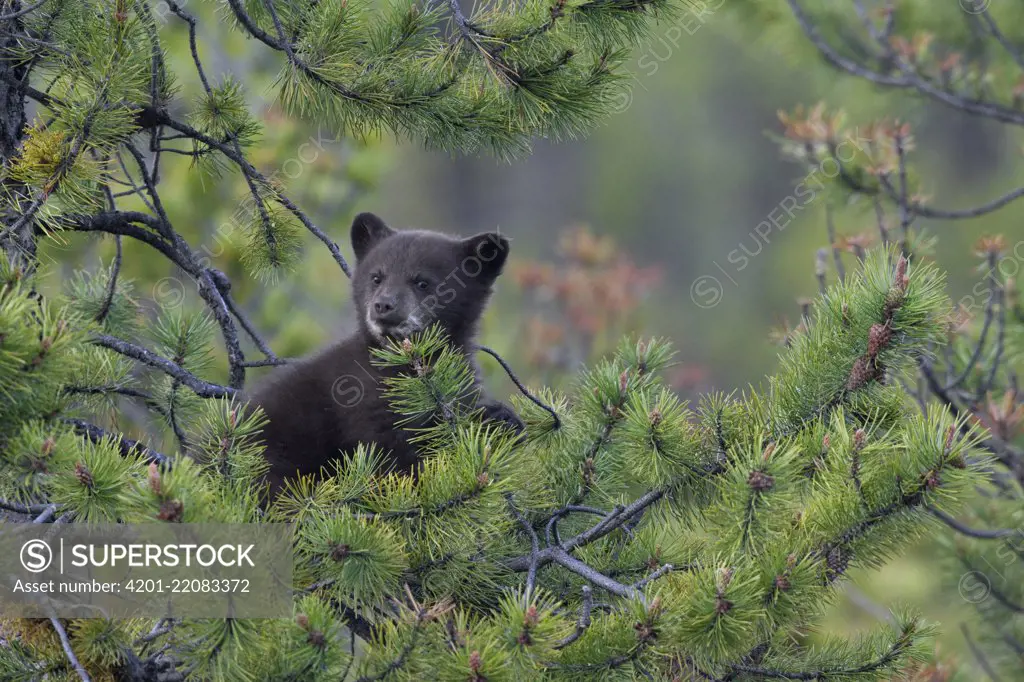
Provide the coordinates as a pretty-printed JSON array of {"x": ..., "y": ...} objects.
[
  {"x": 613, "y": 521},
  {"x": 986, "y": 534},
  {"x": 531, "y": 577},
  {"x": 584, "y": 620},
  {"x": 27, "y": 509},
  {"x": 127, "y": 446},
  {"x": 985, "y": 17},
  {"x": 66, "y": 644},
  {"x": 908, "y": 78},
  {"x": 23, "y": 11},
  {"x": 125, "y": 223},
  {"x": 895, "y": 651},
  {"x": 203, "y": 389}
]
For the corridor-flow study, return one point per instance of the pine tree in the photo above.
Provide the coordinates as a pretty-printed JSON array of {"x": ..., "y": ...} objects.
[
  {"x": 655, "y": 540},
  {"x": 967, "y": 58},
  {"x": 626, "y": 535}
]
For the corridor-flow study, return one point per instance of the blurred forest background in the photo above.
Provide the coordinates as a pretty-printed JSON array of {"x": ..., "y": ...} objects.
[{"x": 620, "y": 232}]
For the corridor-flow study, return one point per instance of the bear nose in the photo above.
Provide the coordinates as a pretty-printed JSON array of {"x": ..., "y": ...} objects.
[{"x": 385, "y": 309}]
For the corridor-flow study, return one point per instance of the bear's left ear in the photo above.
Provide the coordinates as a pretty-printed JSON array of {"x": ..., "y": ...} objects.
[
  {"x": 491, "y": 249},
  {"x": 367, "y": 231}
]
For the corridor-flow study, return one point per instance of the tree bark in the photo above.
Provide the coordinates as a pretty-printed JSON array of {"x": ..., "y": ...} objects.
[{"x": 20, "y": 247}]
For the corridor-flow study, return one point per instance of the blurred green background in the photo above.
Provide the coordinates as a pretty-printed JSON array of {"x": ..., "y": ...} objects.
[{"x": 669, "y": 191}]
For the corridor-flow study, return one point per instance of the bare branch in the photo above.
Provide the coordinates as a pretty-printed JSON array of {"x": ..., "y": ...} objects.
[
  {"x": 127, "y": 446},
  {"x": 993, "y": 28},
  {"x": 908, "y": 79},
  {"x": 203, "y": 389},
  {"x": 993, "y": 534},
  {"x": 28, "y": 509},
  {"x": 23, "y": 11},
  {"x": 531, "y": 576},
  {"x": 66, "y": 643},
  {"x": 644, "y": 582},
  {"x": 584, "y": 620},
  {"x": 595, "y": 577},
  {"x": 616, "y": 519}
]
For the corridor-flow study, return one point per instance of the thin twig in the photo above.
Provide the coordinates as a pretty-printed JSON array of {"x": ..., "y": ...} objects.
[
  {"x": 584, "y": 620},
  {"x": 126, "y": 391},
  {"x": 403, "y": 655},
  {"x": 907, "y": 78},
  {"x": 531, "y": 576},
  {"x": 616, "y": 519},
  {"x": 115, "y": 269},
  {"x": 989, "y": 316},
  {"x": 978, "y": 654},
  {"x": 22, "y": 12},
  {"x": 644, "y": 582},
  {"x": 996, "y": 361},
  {"x": 836, "y": 255},
  {"x": 880, "y": 216},
  {"x": 820, "y": 270},
  {"x": 556, "y": 420},
  {"x": 551, "y": 530},
  {"x": 905, "y": 215},
  {"x": 983, "y": 534},
  {"x": 993, "y": 28}
]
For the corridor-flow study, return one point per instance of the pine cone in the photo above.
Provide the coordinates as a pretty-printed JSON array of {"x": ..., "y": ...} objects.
[
  {"x": 861, "y": 373},
  {"x": 837, "y": 562},
  {"x": 83, "y": 475},
  {"x": 760, "y": 481},
  {"x": 878, "y": 338},
  {"x": 171, "y": 511}
]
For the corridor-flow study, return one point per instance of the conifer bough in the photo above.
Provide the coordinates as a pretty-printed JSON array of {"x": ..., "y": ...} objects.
[
  {"x": 629, "y": 537},
  {"x": 965, "y": 57},
  {"x": 544, "y": 558}
]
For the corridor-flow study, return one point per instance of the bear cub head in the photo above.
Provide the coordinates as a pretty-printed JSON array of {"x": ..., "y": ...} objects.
[{"x": 406, "y": 280}]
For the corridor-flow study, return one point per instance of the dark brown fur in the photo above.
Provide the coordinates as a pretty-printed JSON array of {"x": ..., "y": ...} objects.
[{"x": 404, "y": 281}]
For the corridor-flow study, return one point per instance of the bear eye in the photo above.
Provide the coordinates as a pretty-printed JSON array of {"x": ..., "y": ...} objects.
[
  {"x": 376, "y": 279},
  {"x": 422, "y": 284}
]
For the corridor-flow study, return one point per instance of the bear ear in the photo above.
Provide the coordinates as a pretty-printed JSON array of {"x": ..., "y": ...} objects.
[
  {"x": 367, "y": 231},
  {"x": 491, "y": 249}
]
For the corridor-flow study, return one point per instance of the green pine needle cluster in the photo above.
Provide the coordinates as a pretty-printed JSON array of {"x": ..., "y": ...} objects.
[{"x": 491, "y": 79}]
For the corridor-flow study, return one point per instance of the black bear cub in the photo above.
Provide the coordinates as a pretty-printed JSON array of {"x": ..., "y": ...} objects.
[{"x": 404, "y": 281}]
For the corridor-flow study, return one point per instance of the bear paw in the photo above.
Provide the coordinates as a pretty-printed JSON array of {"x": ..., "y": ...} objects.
[{"x": 500, "y": 412}]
